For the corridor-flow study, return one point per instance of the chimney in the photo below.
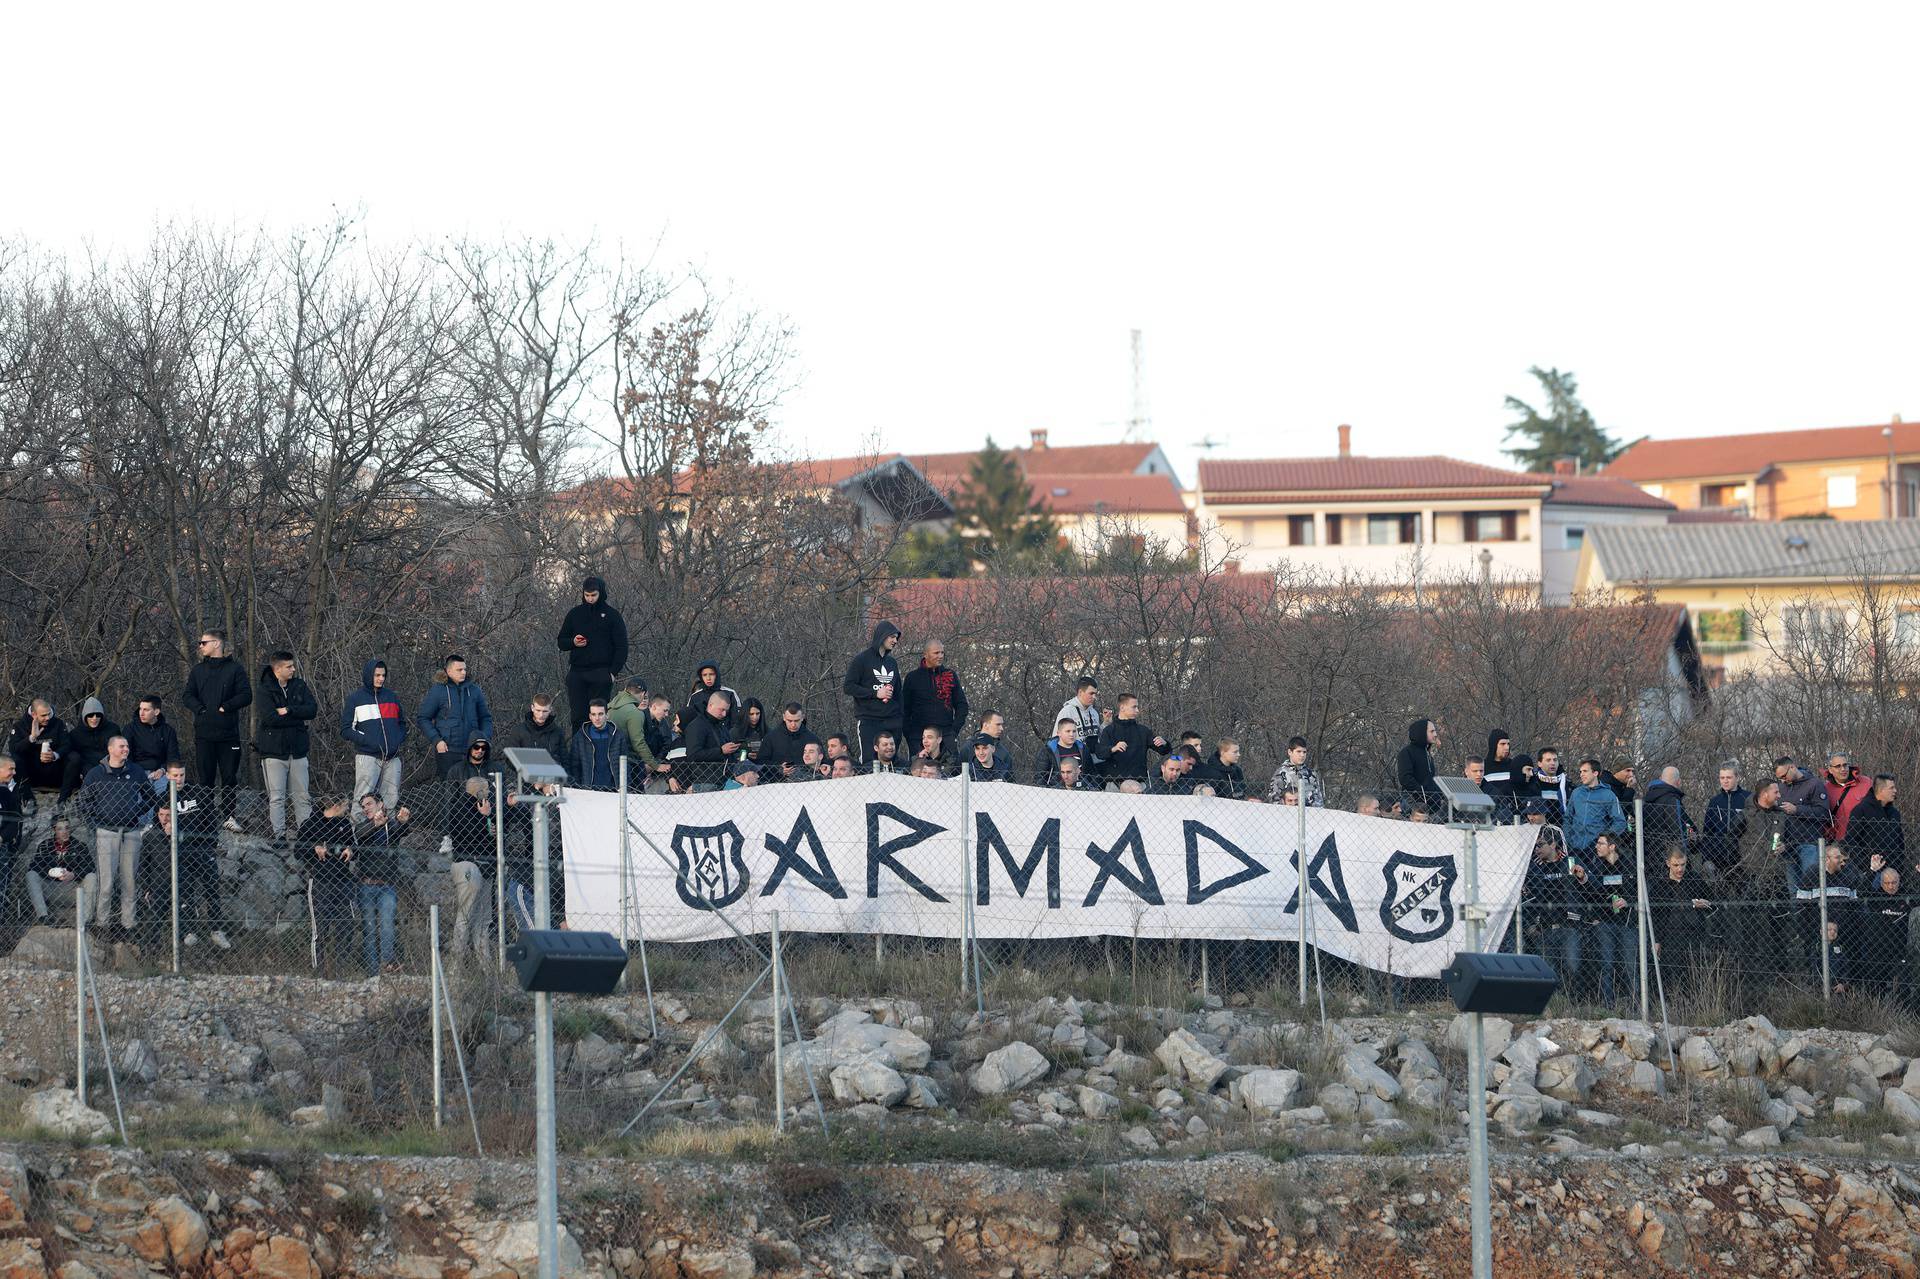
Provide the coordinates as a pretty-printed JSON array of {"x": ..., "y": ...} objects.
[
  {"x": 1039, "y": 438},
  {"x": 1565, "y": 466},
  {"x": 1346, "y": 440}
]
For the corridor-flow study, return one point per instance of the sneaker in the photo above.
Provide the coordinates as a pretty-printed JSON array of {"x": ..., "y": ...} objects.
[
  {"x": 219, "y": 939},
  {"x": 233, "y": 825},
  {"x": 191, "y": 939}
]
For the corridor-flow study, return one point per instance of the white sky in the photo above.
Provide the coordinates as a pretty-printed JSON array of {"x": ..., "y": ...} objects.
[{"x": 1317, "y": 214}]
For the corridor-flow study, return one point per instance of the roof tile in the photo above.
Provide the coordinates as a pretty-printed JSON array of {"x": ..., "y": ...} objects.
[
  {"x": 1749, "y": 454},
  {"x": 1335, "y": 474}
]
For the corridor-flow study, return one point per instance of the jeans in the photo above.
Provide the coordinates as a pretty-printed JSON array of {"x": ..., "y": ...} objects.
[
  {"x": 286, "y": 777},
  {"x": 1806, "y": 866},
  {"x": 199, "y": 891},
  {"x": 122, "y": 848},
  {"x": 330, "y": 916},
  {"x": 1561, "y": 949},
  {"x": 377, "y": 905},
  {"x": 1618, "y": 946},
  {"x": 472, "y": 911},
  {"x": 61, "y": 889},
  {"x": 380, "y": 777}
]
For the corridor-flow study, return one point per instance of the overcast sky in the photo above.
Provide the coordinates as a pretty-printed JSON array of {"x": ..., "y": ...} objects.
[{"x": 1379, "y": 215}]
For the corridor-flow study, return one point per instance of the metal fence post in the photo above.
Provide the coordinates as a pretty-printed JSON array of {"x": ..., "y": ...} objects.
[
  {"x": 434, "y": 980},
  {"x": 779, "y": 1054},
  {"x": 625, "y": 899},
  {"x": 546, "y": 1154},
  {"x": 80, "y": 991},
  {"x": 1520, "y": 903},
  {"x": 500, "y": 870},
  {"x": 1826, "y": 951},
  {"x": 1480, "y": 1201},
  {"x": 1640, "y": 874},
  {"x": 1306, "y": 893},
  {"x": 173, "y": 857}
]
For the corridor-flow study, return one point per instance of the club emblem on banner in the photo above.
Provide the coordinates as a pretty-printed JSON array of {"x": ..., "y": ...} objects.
[
  {"x": 1418, "y": 906},
  {"x": 712, "y": 874}
]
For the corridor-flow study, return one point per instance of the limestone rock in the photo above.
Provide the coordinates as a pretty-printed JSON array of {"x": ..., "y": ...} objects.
[
  {"x": 139, "y": 1062},
  {"x": 1267, "y": 1093},
  {"x": 924, "y": 1093},
  {"x": 45, "y": 947},
  {"x": 1647, "y": 1079},
  {"x": 1902, "y": 1109},
  {"x": 1764, "y": 1137},
  {"x": 1698, "y": 1060},
  {"x": 515, "y": 1245},
  {"x": 283, "y": 1257},
  {"x": 1185, "y": 1058},
  {"x": 16, "y": 1190},
  {"x": 873, "y": 1081},
  {"x": 596, "y": 1056},
  {"x": 1568, "y": 1077},
  {"x": 1339, "y": 1101},
  {"x": 1094, "y": 1103},
  {"x": 1360, "y": 1073},
  {"x": 718, "y": 1056},
  {"x": 1010, "y": 1068},
  {"x": 58, "y": 1110},
  {"x": 724, "y": 1263},
  {"x": 186, "y": 1229},
  {"x": 22, "y": 1259}
]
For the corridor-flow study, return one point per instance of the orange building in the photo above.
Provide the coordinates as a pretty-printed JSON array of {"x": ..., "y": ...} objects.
[{"x": 1839, "y": 471}]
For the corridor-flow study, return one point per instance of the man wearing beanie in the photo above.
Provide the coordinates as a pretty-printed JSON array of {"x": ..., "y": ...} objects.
[{"x": 594, "y": 638}]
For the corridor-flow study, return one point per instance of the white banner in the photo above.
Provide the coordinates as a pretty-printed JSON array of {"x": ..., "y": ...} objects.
[{"x": 899, "y": 855}]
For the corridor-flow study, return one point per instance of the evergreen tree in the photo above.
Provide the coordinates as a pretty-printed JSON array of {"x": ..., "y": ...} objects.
[
  {"x": 1566, "y": 429},
  {"x": 997, "y": 513}
]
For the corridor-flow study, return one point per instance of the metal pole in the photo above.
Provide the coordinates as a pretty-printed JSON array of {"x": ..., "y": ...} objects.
[
  {"x": 1306, "y": 892},
  {"x": 1520, "y": 903},
  {"x": 779, "y": 1055},
  {"x": 1481, "y": 1194},
  {"x": 625, "y": 903},
  {"x": 1204, "y": 991},
  {"x": 106, "y": 1052},
  {"x": 80, "y": 990},
  {"x": 1640, "y": 875},
  {"x": 1826, "y": 951},
  {"x": 966, "y": 876},
  {"x": 435, "y": 984},
  {"x": 173, "y": 857},
  {"x": 500, "y": 870},
  {"x": 547, "y": 1167}
]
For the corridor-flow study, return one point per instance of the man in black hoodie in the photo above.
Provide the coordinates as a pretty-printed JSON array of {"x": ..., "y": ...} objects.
[
  {"x": 931, "y": 696},
  {"x": 87, "y": 744},
  {"x": 151, "y": 742},
  {"x": 217, "y": 691},
  {"x": 283, "y": 707},
  {"x": 594, "y": 638},
  {"x": 1413, "y": 770},
  {"x": 325, "y": 844},
  {"x": 1508, "y": 778},
  {"x": 872, "y": 681},
  {"x": 540, "y": 729}
]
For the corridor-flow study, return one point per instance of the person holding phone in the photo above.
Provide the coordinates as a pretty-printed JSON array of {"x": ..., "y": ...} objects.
[{"x": 593, "y": 635}]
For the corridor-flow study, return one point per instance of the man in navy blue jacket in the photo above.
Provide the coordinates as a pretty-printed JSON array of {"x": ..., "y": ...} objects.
[
  {"x": 372, "y": 721},
  {"x": 118, "y": 799},
  {"x": 454, "y": 710}
]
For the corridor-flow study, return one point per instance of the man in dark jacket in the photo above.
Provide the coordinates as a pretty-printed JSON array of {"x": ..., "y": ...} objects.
[
  {"x": 1126, "y": 743},
  {"x": 594, "y": 637},
  {"x": 199, "y": 850},
  {"x": 1064, "y": 744},
  {"x": 196, "y": 809},
  {"x": 1880, "y": 940},
  {"x": 1668, "y": 825},
  {"x": 1413, "y": 769},
  {"x": 710, "y": 743},
  {"x": 118, "y": 801},
  {"x": 87, "y": 744},
  {"x": 983, "y": 767},
  {"x": 706, "y": 682},
  {"x": 373, "y": 723},
  {"x": 993, "y": 724},
  {"x": 1875, "y": 825},
  {"x": 593, "y": 757},
  {"x": 931, "y": 696},
  {"x": 38, "y": 744},
  {"x": 283, "y": 708},
  {"x": 376, "y": 868},
  {"x": 1172, "y": 779},
  {"x": 785, "y": 746},
  {"x": 151, "y": 742},
  {"x": 540, "y": 729},
  {"x": 1803, "y": 798},
  {"x": 12, "y": 815},
  {"x": 217, "y": 691},
  {"x": 476, "y": 761},
  {"x": 453, "y": 710},
  {"x": 1508, "y": 780},
  {"x": 470, "y": 830},
  {"x": 1724, "y": 824},
  {"x": 1221, "y": 771},
  {"x": 872, "y": 681},
  {"x": 325, "y": 842},
  {"x": 63, "y": 860}
]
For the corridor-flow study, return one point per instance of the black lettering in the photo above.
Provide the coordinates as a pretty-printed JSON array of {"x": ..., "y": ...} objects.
[
  {"x": 1144, "y": 885},
  {"x": 1329, "y": 884},
  {"x": 1045, "y": 845},
  {"x": 884, "y": 854},
  {"x": 816, "y": 870},
  {"x": 1198, "y": 892}
]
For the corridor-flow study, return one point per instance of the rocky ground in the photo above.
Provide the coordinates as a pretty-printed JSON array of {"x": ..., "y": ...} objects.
[{"x": 276, "y": 1125}]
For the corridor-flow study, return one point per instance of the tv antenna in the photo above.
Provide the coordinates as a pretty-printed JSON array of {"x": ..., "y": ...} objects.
[{"x": 1137, "y": 419}]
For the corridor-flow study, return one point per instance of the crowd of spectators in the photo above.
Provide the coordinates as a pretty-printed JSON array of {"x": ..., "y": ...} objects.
[{"x": 1743, "y": 875}]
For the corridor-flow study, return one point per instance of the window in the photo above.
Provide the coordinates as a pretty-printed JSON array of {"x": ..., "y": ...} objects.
[
  {"x": 1575, "y": 537},
  {"x": 1906, "y": 628},
  {"x": 1300, "y": 530},
  {"x": 1721, "y": 627},
  {"x": 1336, "y": 529},
  {"x": 1392, "y": 530},
  {"x": 1842, "y": 490},
  {"x": 1491, "y": 526},
  {"x": 1807, "y": 626},
  {"x": 1719, "y": 495}
]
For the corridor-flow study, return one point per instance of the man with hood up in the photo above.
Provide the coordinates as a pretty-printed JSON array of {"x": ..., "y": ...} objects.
[
  {"x": 873, "y": 682},
  {"x": 1509, "y": 776},
  {"x": 1413, "y": 769},
  {"x": 217, "y": 691},
  {"x": 706, "y": 682},
  {"x": 594, "y": 638},
  {"x": 87, "y": 744},
  {"x": 372, "y": 722}
]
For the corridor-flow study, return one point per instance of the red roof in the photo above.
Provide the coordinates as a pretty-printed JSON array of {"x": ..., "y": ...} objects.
[
  {"x": 1752, "y": 453},
  {"x": 1597, "y": 490},
  {"x": 1119, "y": 494},
  {"x": 1221, "y": 480}
]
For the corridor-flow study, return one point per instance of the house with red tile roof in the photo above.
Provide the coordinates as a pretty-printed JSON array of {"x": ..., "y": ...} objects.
[
  {"x": 1578, "y": 504},
  {"x": 1385, "y": 519},
  {"x": 1840, "y": 471}
]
